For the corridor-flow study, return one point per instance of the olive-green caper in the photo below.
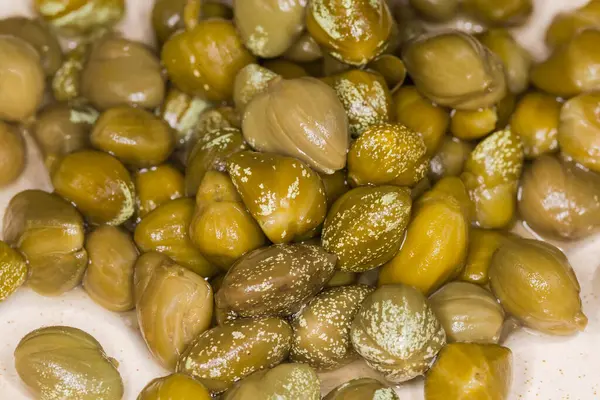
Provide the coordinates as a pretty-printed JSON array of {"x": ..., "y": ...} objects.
[
  {"x": 435, "y": 247},
  {"x": 182, "y": 112},
  {"x": 13, "y": 270},
  {"x": 450, "y": 158},
  {"x": 568, "y": 24},
  {"x": 365, "y": 227},
  {"x": 283, "y": 194},
  {"x": 133, "y": 135},
  {"x": 436, "y": 10},
  {"x": 267, "y": 27},
  {"x": 209, "y": 120},
  {"x": 471, "y": 125},
  {"x": 353, "y": 32},
  {"x": 322, "y": 329},
  {"x": 61, "y": 129},
  {"x": 23, "y": 79},
  {"x": 567, "y": 72},
  {"x": 422, "y": 116},
  {"x": 492, "y": 12},
  {"x": 98, "y": 184},
  {"x": 60, "y": 362},
  {"x": 483, "y": 243},
  {"x": 362, "y": 389},
  {"x": 174, "y": 386},
  {"x": 491, "y": 176},
  {"x": 275, "y": 281},
  {"x": 468, "y": 313},
  {"x": 335, "y": 186},
  {"x": 536, "y": 285},
  {"x": 12, "y": 154},
  {"x": 122, "y": 72},
  {"x": 39, "y": 36},
  {"x": 250, "y": 81},
  {"x": 559, "y": 199},
  {"x": 536, "y": 120},
  {"x": 77, "y": 17},
  {"x": 165, "y": 230},
  {"x": 391, "y": 68},
  {"x": 470, "y": 371},
  {"x": 284, "y": 382},
  {"x": 304, "y": 50},
  {"x": 49, "y": 232},
  {"x": 199, "y": 68},
  {"x": 505, "y": 109},
  {"x": 108, "y": 279},
  {"x": 156, "y": 186},
  {"x": 222, "y": 228},
  {"x": 387, "y": 154},
  {"x": 437, "y": 63},
  {"x": 174, "y": 305},
  {"x": 397, "y": 333},
  {"x": 579, "y": 130},
  {"x": 143, "y": 270},
  {"x": 66, "y": 82},
  {"x": 211, "y": 152},
  {"x": 342, "y": 278},
  {"x": 223, "y": 355},
  {"x": 275, "y": 122},
  {"x": 284, "y": 68}
]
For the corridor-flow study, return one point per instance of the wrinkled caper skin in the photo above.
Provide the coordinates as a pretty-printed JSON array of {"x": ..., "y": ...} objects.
[
  {"x": 173, "y": 306},
  {"x": 579, "y": 130},
  {"x": 283, "y": 194},
  {"x": 49, "y": 232},
  {"x": 365, "y": 97},
  {"x": 437, "y": 63},
  {"x": 387, "y": 154},
  {"x": 352, "y": 32},
  {"x": 61, "y": 129},
  {"x": 567, "y": 72},
  {"x": 108, "y": 279},
  {"x": 568, "y": 24},
  {"x": 197, "y": 68},
  {"x": 275, "y": 121},
  {"x": 60, "y": 362},
  {"x": 275, "y": 281},
  {"x": 362, "y": 389},
  {"x": 182, "y": 112},
  {"x": 322, "y": 329},
  {"x": 483, "y": 243},
  {"x": 175, "y": 386},
  {"x": 365, "y": 227},
  {"x": 476, "y": 371},
  {"x": 449, "y": 159},
  {"x": 222, "y": 228},
  {"x": 472, "y": 125},
  {"x": 66, "y": 82},
  {"x": 422, "y": 116},
  {"x": 23, "y": 79},
  {"x": 267, "y": 27},
  {"x": 435, "y": 247},
  {"x": 491, "y": 176},
  {"x": 76, "y": 17},
  {"x": 225, "y": 354},
  {"x": 12, "y": 154},
  {"x": 380, "y": 332},
  {"x": 13, "y": 269},
  {"x": 436, "y": 10},
  {"x": 284, "y": 382},
  {"x": 156, "y": 186},
  {"x": 535, "y": 283},
  {"x": 98, "y": 184},
  {"x": 536, "y": 120},
  {"x": 249, "y": 82},
  {"x": 304, "y": 50},
  {"x": 165, "y": 230},
  {"x": 122, "y": 72},
  {"x": 468, "y": 313},
  {"x": 39, "y": 36},
  {"x": 559, "y": 199}
]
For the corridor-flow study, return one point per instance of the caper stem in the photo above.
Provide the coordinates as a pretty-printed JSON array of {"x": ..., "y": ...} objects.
[{"x": 191, "y": 13}]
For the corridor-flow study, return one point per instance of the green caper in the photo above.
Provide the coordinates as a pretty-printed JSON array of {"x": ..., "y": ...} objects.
[
  {"x": 209, "y": 120},
  {"x": 143, "y": 270},
  {"x": 66, "y": 82},
  {"x": 565, "y": 25},
  {"x": 471, "y": 125},
  {"x": 12, "y": 154},
  {"x": 182, "y": 112},
  {"x": 76, "y": 17},
  {"x": 284, "y": 68},
  {"x": 362, "y": 389},
  {"x": 342, "y": 278},
  {"x": 365, "y": 227},
  {"x": 450, "y": 158},
  {"x": 492, "y": 12},
  {"x": 156, "y": 186},
  {"x": 250, "y": 81},
  {"x": 175, "y": 386},
  {"x": 391, "y": 68},
  {"x": 483, "y": 243},
  {"x": 335, "y": 186},
  {"x": 436, "y": 10},
  {"x": 304, "y": 50},
  {"x": 13, "y": 270},
  {"x": 60, "y": 362}
]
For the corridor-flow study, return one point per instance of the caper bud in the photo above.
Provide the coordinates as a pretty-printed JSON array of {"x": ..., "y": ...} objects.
[
  {"x": 342, "y": 278},
  {"x": 362, "y": 389},
  {"x": 472, "y": 371},
  {"x": 304, "y": 50},
  {"x": 76, "y": 17},
  {"x": 391, "y": 68},
  {"x": 122, "y": 72},
  {"x": 60, "y": 362},
  {"x": 213, "y": 119},
  {"x": 438, "y": 64},
  {"x": 387, "y": 154},
  {"x": 250, "y": 81},
  {"x": 66, "y": 82},
  {"x": 365, "y": 227},
  {"x": 13, "y": 270},
  {"x": 272, "y": 124},
  {"x": 436, "y": 10},
  {"x": 156, "y": 186},
  {"x": 483, "y": 243},
  {"x": 283, "y": 194},
  {"x": 12, "y": 154},
  {"x": 175, "y": 386},
  {"x": 108, "y": 279},
  {"x": 353, "y": 32},
  {"x": 182, "y": 112},
  {"x": 565, "y": 25},
  {"x": 223, "y": 355},
  {"x": 143, "y": 270},
  {"x": 335, "y": 186},
  {"x": 450, "y": 158},
  {"x": 397, "y": 333},
  {"x": 284, "y": 68},
  {"x": 492, "y": 12},
  {"x": 471, "y": 125},
  {"x": 535, "y": 284}
]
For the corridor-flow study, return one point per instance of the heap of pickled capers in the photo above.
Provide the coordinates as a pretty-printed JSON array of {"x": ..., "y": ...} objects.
[{"x": 238, "y": 185}]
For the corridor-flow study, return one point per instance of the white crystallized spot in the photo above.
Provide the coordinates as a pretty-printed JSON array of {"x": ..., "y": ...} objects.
[
  {"x": 384, "y": 394},
  {"x": 127, "y": 207}
]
